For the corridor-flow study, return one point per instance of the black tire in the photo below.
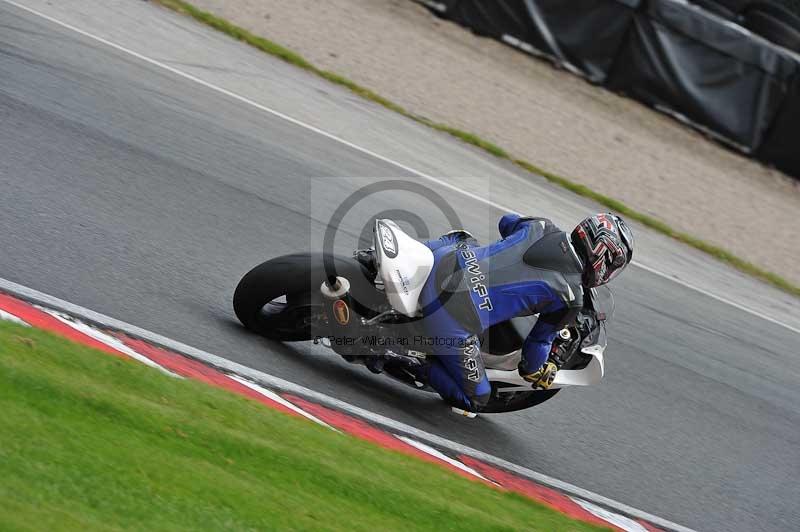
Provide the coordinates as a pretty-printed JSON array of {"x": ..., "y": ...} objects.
[
  {"x": 296, "y": 278},
  {"x": 521, "y": 401}
]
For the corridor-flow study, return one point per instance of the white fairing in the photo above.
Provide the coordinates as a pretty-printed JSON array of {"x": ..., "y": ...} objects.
[
  {"x": 404, "y": 264},
  {"x": 591, "y": 374}
]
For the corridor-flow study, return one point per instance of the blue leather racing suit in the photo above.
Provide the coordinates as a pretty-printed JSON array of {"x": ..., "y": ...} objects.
[{"x": 532, "y": 269}]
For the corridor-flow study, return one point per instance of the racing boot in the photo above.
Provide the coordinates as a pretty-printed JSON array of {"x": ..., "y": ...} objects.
[{"x": 375, "y": 363}]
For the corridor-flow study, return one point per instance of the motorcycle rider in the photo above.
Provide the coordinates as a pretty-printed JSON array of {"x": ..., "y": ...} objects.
[{"x": 535, "y": 268}]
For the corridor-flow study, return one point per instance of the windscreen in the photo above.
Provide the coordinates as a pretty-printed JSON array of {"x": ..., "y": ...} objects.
[{"x": 602, "y": 301}]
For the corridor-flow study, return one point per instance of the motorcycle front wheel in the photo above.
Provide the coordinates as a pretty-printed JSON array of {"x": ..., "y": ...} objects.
[{"x": 519, "y": 401}]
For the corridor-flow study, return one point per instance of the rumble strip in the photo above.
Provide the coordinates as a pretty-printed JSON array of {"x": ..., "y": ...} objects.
[{"x": 115, "y": 343}]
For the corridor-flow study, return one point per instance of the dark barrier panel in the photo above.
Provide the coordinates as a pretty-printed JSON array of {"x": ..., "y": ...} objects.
[
  {"x": 781, "y": 145},
  {"x": 582, "y": 35},
  {"x": 728, "y": 9},
  {"x": 682, "y": 60},
  {"x": 678, "y": 57},
  {"x": 440, "y": 7}
]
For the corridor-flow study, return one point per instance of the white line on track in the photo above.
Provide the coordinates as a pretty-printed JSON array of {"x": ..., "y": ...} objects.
[
  {"x": 277, "y": 383},
  {"x": 441, "y": 456},
  {"x": 107, "y": 339},
  {"x": 6, "y": 316},
  {"x": 269, "y": 394},
  {"x": 718, "y": 298},
  {"x": 625, "y": 523},
  {"x": 361, "y": 149}
]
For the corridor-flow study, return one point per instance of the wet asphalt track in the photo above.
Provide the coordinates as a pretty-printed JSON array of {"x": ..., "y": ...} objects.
[{"x": 141, "y": 195}]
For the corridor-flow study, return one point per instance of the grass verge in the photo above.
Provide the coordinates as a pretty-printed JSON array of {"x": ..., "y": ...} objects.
[
  {"x": 89, "y": 441},
  {"x": 296, "y": 59}
]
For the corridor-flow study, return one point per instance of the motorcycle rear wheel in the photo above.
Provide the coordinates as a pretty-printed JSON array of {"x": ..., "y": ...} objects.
[{"x": 280, "y": 298}]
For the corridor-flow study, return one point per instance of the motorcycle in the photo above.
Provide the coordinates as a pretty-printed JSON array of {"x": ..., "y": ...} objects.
[{"x": 366, "y": 309}]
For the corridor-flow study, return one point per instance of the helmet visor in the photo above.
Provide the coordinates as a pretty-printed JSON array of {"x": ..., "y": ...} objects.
[{"x": 610, "y": 260}]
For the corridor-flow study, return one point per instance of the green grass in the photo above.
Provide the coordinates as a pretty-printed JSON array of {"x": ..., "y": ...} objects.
[
  {"x": 89, "y": 441},
  {"x": 296, "y": 59}
]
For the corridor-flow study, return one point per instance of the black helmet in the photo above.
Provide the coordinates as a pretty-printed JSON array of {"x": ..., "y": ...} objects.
[{"x": 605, "y": 244}]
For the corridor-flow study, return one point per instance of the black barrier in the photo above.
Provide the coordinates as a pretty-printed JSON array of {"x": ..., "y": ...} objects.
[
  {"x": 781, "y": 146},
  {"x": 581, "y": 35},
  {"x": 728, "y": 9},
  {"x": 677, "y": 57},
  {"x": 440, "y": 7}
]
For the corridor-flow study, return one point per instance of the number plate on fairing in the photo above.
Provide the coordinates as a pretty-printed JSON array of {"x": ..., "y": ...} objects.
[{"x": 404, "y": 265}]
